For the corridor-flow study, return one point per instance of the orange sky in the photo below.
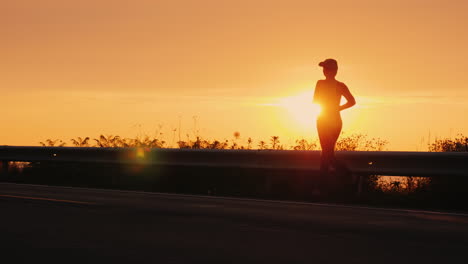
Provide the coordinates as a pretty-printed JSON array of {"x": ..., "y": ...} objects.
[{"x": 84, "y": 68}]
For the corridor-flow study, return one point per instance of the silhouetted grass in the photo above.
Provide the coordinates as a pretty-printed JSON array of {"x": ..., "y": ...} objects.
[
  {"x": 351, "y": 142},
  {"x": 459, "y": 144}
]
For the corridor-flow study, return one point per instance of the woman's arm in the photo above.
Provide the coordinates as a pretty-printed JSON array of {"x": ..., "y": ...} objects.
[
  {"x": 350, "y": 101},
  {"x": 316, "y": 99}
]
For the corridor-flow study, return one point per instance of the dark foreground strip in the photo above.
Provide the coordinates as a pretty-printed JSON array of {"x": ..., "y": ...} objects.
[{"x": 44, "y": 199}]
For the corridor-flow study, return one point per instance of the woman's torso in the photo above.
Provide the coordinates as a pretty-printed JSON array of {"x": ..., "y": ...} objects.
[{"x": 329, "y": 98}]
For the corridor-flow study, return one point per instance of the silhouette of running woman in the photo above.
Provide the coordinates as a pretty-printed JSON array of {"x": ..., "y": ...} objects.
[{"x": 328, "y": 94}]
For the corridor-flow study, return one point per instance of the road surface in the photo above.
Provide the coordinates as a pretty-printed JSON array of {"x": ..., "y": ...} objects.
[{"x": 105, "y": 226}]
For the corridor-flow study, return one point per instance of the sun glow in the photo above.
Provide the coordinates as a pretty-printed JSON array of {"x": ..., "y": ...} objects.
[{"x": 301, "y": 109}]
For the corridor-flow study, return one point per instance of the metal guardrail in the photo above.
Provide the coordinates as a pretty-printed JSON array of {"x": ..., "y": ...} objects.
[{"x": 359, "y": 162}]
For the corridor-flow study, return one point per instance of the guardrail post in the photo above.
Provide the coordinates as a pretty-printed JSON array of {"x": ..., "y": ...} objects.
[
  {"x": 4, "y": 169},
  {"x": 360, "y": 182}
]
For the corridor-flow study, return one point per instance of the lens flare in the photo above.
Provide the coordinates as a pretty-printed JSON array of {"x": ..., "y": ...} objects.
[{"x": 140, "y": 153}]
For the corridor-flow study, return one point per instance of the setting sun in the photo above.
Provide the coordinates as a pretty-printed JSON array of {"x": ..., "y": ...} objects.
[{"x": 301, "y": 109}]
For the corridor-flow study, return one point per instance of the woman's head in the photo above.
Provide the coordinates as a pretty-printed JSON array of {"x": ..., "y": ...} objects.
[{"x": 330, "y": 68}]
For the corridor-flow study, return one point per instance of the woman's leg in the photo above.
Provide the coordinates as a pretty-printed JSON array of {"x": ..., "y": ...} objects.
[
  {"x": 328, "y": 135},
  {"x": 334, "y": 135},
  {"x": 328, "y": 131},
  {"x": 326, "y": 155},
  {"x": 323, "y": 135}
]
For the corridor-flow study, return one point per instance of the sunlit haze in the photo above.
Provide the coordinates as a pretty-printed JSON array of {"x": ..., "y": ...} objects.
[{"x": 211, "y": 68}]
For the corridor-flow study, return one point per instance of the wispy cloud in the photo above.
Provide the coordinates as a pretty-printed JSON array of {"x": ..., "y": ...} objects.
[{"x": 381, "y": 101}]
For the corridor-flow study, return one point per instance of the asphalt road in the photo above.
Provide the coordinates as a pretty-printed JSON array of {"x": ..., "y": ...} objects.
[{"x": 76, "y": 225}]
